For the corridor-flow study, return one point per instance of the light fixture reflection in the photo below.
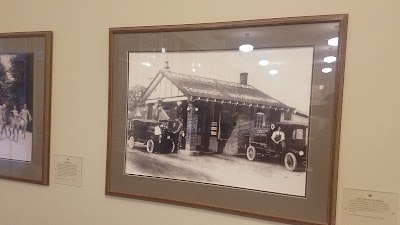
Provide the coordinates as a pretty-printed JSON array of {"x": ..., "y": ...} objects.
[
  {"x": 327, "y": 70},
  {"x": 263, "y": 62},
  {"x": 273, "y": 72},
  {"x": 194, "y": 70},
  {"x": 333, "y": 41},
  {"x": 330, "y": 59},
  {"x": 246, "y": 48}
]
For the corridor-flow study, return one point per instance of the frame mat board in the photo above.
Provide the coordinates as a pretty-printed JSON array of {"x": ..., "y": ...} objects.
[{"x": 319, "y": 205}]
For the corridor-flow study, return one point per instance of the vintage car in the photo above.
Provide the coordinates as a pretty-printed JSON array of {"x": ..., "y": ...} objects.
[
  {"x": 294, "y": 154},
  {"x": 156, "y": 135}
]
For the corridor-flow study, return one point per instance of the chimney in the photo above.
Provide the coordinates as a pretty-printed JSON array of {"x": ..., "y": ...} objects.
[{"x": 243, "y": 78}]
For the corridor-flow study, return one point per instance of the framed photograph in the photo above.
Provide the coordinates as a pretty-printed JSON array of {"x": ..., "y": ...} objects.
[
  {"x": 239, "y": 117},
  {"x": 25, "y": 88}
]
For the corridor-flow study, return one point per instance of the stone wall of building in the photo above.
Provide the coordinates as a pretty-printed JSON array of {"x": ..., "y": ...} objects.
[
  {"x": 191, "y": 132},
  {"x": 237, "y": 141}
]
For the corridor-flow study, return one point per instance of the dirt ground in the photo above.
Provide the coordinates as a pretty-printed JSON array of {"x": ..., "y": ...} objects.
[
  {"x": 14, "y": 149},
  {"x": 264, "y": 175}
]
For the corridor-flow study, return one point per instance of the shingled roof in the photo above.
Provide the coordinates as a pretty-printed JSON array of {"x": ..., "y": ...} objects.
[{"x": 203, "y": 88}]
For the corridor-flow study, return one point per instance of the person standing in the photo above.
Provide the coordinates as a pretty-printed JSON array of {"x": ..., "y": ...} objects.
[
  {"x": 178, "y": 133},
  {"x": 278, "y": 139},
  {"x": 6, "y": 120},
  {"x": 26, "y": 118},
  {"x": 2, "y": 122},
  {"x": 15, "y": 122}
]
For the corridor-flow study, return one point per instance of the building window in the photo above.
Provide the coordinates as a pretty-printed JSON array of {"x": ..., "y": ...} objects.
[
  {"x": 260, "y": 120},
  {"x": 287, "y": 116}
]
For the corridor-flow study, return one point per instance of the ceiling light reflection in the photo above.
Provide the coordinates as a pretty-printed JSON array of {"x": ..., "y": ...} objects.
[
  {"x": 263, "y": 62},
  {"x": 246, "y": 48},
  {"x": 327, "y": 70},
  {"x": 333, "y": 41},
  {"x": 330, "y": 59},
  {"x": 273, "y": 72}
]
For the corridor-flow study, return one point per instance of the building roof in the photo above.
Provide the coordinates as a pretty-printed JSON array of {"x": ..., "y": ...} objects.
[
  {"x": 221, "y": 90},
  {"x": 301, "y": 113}
]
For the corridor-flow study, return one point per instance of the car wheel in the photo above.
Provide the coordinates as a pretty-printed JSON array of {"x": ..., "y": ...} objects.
[
  {"x": 251, "y": 153},
  {"x": 150, "y": 146},
  {"x": 173, "y": 147},
  {"x": 131, "y": 142},
  {"x": 290, "y": 161}
]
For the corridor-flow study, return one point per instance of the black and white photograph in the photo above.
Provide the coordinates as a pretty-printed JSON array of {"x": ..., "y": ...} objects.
[
  {"x": 240, "y": 117},
  {"x": 16, "y": 91},
  {"x": 234, "y": 118},
  {"x": 25, "y": 106}
]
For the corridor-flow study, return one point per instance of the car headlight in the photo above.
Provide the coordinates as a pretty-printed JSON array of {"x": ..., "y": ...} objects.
[{"x": 301, "y": 153}]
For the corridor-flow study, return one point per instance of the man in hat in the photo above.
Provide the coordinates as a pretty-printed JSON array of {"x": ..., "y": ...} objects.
[
  {"x": 278, "y": 139},
  {"x": 178, "y": 132}
]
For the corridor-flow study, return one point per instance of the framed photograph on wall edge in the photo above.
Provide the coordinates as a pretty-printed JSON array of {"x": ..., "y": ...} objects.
[
  {"x": 238, "y": 117},
  {"x": 25, "y": 98}
]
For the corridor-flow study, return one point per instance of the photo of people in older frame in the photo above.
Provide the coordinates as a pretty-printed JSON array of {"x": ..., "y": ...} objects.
[{"x": 16, "y": 115}]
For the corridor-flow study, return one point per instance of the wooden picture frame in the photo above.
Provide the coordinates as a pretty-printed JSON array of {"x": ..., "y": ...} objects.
[
  {"x": 25, "y": 73},
  {"x": 160, "y": 66}
]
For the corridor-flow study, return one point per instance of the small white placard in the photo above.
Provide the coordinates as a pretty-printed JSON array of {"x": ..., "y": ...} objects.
[
  {"x": 362, "y": 207},
  {"x": 68, "y": 170}
]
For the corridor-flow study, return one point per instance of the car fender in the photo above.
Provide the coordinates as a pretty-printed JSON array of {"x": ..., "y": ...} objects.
[
  {"x": 153, "y": 138},
  {"x": 294, "y": 151}
]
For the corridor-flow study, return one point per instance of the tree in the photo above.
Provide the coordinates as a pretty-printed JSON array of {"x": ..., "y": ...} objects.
[
  {"x": 21, "y": 85},
  {"x": 4, "y": 92},
  {"x": 17, "y": 71},
  {"x": 135, "y": 94}
]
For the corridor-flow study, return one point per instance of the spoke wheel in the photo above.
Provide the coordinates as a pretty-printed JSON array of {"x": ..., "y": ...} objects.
[
  {"x": 173, "y": 147},
  {"x": 290, "y": 161},
  {"x": 131, "y": 142},
  {"x": 251, "y": 153},
  {"x": 150, "y": 146}
]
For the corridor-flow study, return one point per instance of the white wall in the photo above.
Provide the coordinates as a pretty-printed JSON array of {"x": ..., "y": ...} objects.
[{"x": 79, "y": 119}]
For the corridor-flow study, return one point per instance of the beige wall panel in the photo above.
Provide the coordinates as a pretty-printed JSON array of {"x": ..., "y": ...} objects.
[{"x": 370, "y": 153}]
